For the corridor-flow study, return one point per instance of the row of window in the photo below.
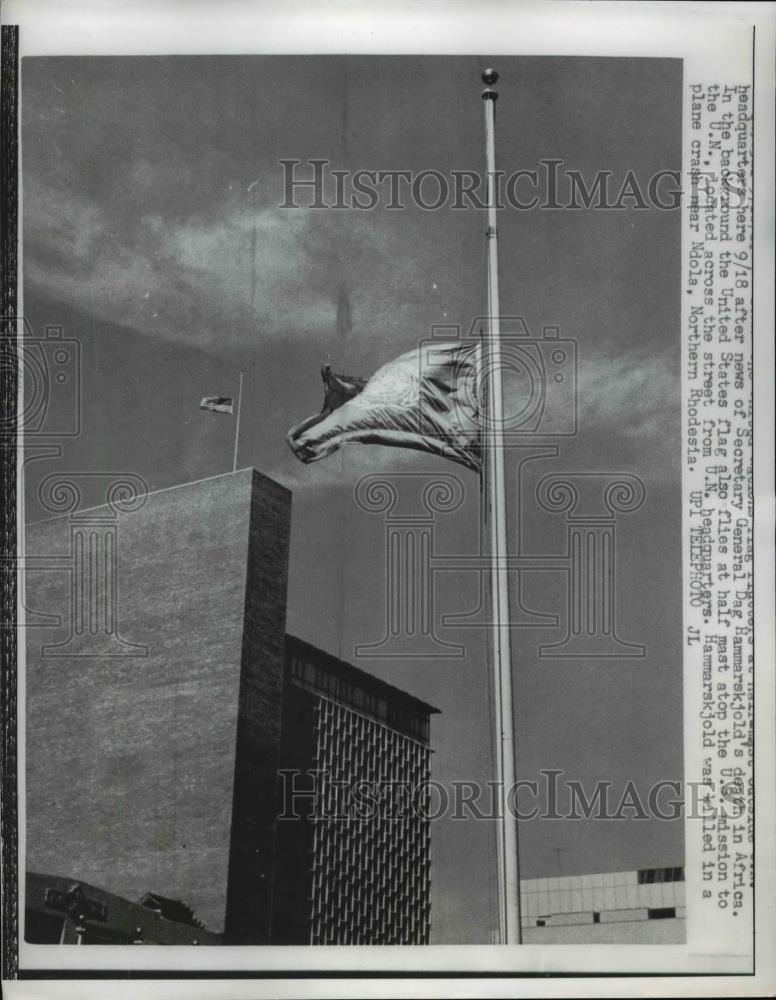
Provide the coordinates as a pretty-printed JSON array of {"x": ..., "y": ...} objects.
[
  {"x": 371, "y": 887},
  {"x": 658, "y": 913}
]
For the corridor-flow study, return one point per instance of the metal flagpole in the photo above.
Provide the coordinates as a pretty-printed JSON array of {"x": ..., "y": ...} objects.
[
  {"x": 237, "y": 427},
  {"x": 495, "y": 511}
]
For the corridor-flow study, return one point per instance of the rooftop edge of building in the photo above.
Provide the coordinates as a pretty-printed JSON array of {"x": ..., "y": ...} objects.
[
  {"x": 78, "y": 512},
  {"x": 106, "y": 917},
  {"x": 362, "y": 676}
]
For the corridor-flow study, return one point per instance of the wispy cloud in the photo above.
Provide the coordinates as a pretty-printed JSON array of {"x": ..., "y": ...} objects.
[
  {"x": 634, "y": 396},
  {"x": 221, "y": 278}
]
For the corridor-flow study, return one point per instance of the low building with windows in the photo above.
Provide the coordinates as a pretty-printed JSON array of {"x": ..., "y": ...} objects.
[
  {"x": 639, "y": 907},
  {"x": 64, "y": 911}
]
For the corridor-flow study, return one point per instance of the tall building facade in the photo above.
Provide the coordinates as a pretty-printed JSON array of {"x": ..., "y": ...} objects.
[
  {"x": 357, "y": 764},
  {"x": 164, "y": 700},
  {"x": 154, "y": 677}
]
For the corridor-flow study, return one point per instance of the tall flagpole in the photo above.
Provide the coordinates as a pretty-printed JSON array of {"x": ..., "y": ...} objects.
[
  {"x": 237, "y": 426},
  {"x": 495, "y": 511}
]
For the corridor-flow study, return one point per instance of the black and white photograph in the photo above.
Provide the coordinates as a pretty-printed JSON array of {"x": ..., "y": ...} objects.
[{"x": 382, "y": 446}]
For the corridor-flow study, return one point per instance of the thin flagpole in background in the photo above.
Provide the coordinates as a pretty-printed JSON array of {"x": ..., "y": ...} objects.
[
  {"x": 237, "y": 425},
  {"x": 495, "y": 513}
]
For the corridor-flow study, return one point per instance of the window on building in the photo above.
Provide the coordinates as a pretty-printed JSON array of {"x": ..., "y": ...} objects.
[
  {"x": 662, "y": 913},
  {"x": 649, "y": 875}
]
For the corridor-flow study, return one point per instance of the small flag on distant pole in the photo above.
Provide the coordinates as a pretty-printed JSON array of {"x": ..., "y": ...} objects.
[
  {"x": 225, "y": 404},
  {"x": 218, "y": 404}
]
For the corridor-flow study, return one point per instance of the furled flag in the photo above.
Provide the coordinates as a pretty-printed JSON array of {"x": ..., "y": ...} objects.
[
  {"x": 426, "y": 399},
  {"x": 218, "y": 404}
]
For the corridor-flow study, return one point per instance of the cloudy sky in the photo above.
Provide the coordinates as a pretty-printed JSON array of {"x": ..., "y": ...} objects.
[{"x": 153, "y": 234}]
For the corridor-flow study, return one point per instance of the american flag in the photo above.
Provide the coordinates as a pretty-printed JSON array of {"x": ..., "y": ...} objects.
[{"x": 218, "y": 404}]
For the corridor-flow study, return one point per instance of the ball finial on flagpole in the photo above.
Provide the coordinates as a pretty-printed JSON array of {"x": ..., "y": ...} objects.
[{"x": 489, "y": 77}]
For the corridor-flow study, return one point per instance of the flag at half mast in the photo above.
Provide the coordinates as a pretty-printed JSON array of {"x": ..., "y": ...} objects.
[
  {"x": 426, "y": 399},
  {"x": 217, "y": 404}
]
